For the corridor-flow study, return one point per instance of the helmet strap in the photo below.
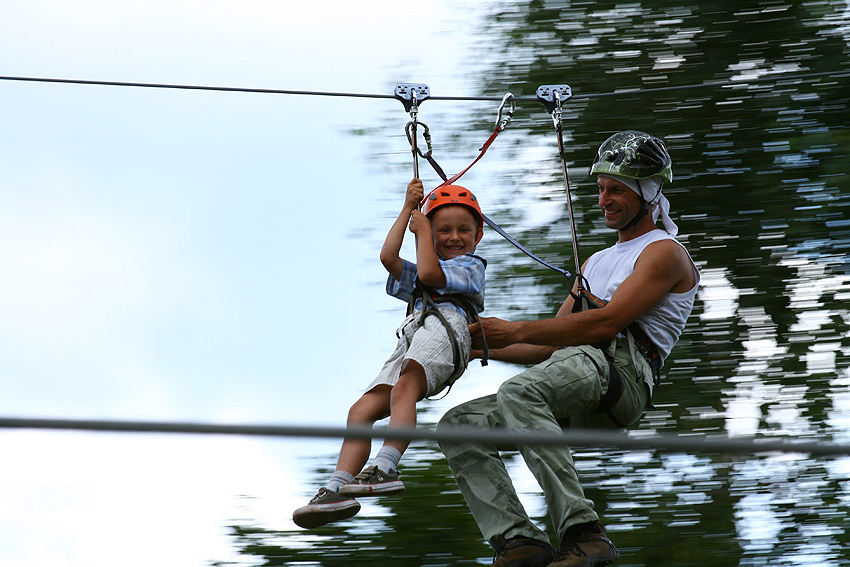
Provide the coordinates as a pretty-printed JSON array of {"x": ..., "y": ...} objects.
[{"x": 644, "y": 210}]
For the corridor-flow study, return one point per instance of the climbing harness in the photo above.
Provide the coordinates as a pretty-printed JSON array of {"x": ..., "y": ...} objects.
[
  {"x": 430, "y": 300},
  {"x": 410, "y": 94},
  {"x": 552, "y": 96},
  {"x": 503, "y": 118}
]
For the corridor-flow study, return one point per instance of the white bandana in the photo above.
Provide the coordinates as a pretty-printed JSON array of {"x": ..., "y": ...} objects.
[{"x": 651, "y": 194}]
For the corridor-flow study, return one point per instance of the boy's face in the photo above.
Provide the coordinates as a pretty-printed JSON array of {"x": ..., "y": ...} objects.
[{"x": 455, "y": 231}]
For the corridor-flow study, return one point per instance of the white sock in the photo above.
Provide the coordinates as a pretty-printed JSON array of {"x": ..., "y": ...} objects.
[
  {"x": 338, "y": 478},
  {"x": 387, "y": 459}
]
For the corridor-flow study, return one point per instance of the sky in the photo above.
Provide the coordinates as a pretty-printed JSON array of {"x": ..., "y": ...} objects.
[{"x": 177, "y": 255}]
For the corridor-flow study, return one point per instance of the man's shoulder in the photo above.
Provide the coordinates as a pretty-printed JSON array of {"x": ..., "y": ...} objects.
[
  {"x": 669, "y": 255},
  {"x": 667, "y": 246}
]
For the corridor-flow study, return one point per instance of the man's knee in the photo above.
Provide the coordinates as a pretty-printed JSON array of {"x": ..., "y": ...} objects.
[
  {"x": 516, "y": 391},
  {"x": 450, "y": 419}
]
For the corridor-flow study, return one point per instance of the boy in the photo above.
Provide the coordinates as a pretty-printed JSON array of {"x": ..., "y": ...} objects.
[{"x": 447, "y": 231}]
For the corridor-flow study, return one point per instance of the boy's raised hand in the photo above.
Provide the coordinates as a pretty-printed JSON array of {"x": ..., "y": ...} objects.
[
  {"x": 420, "y": 225},
  {"x": 415, "y": 194}
]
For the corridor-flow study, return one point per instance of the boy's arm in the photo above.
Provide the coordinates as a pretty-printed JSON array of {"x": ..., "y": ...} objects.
[
  {"x": 392, "y": 244},
  {"x": 427, "y": 263}
]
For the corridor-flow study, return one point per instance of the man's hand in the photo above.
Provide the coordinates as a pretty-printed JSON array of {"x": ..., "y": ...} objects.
[{"x": 497, "y": 332}]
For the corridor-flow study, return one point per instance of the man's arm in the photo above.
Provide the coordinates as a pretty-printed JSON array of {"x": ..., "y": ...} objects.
[
  {"x": 519, "y": 353},
  {"x": 662, "y": 267}
]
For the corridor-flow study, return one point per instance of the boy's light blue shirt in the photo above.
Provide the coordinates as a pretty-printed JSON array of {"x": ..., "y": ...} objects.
[{"x": 464, "y": 276}]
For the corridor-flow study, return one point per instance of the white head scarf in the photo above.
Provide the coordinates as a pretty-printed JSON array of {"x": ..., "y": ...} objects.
[{"x": 651, "y": 187}]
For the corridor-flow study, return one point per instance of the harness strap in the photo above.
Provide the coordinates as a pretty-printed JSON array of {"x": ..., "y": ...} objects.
[
  {"x": 429, "y": 307},
  {"x": 640, "y": 341},
  {"x": 525, "y": 250},
  {"x": 457, "y": 176},
  {"x": 615, "y": 388}
]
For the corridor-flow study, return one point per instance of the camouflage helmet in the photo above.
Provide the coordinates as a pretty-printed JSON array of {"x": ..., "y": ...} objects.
[{"x": 633, "y": 154}]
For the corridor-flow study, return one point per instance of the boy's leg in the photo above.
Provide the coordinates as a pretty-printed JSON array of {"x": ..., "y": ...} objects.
[
  {"x": 328, "y": 505},
  {"x": 482, "y": 477},
  {"x": 381, "y": 478},
  {"x": 410, "y": 389},
  {"x": 372, "y": 406}
]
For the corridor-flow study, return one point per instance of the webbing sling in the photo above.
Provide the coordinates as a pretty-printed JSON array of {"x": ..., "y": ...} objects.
[
  {"x": 636, "y": 338},
  {"x": 430, "y": 299}
]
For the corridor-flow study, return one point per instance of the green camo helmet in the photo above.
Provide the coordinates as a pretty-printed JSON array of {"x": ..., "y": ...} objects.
[{"x": 633, "y": 154}]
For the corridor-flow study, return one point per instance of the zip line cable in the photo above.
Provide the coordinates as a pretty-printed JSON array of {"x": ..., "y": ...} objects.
[
  {"x": 569, "y": 437},
  {"x": 624, "y": 92},
  {"x": 577, "y": 438}
]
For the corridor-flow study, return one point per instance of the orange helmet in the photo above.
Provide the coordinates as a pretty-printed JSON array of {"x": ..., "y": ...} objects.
[{"x": 451, "y": 195}]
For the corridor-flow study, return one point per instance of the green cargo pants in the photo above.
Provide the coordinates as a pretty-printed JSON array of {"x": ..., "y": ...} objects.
[{"x": 568, "y": 385}]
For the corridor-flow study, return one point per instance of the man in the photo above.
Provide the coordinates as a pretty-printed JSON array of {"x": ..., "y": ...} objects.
[{"x": 593, "y": 367}]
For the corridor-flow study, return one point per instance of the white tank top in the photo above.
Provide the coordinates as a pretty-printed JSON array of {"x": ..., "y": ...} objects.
[{"x": 664, "y": 323}]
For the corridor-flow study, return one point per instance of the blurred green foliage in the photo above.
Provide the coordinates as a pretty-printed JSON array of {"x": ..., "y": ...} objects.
[{"x": 761, "y": 194}]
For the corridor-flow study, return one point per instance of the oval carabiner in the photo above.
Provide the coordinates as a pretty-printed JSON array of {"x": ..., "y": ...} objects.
[
  {"x": 501, "y": 123},
  {"x": 426, "y": 133},
  {"x": 556, "y": 109}
]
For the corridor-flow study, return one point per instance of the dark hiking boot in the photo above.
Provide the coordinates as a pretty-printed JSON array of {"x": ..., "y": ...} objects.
[
  {"x": 326, "y": 506},
  {"x": 523, "y": 552},
  {"x": 372, "y": 481},
  {"x": 585, "y": 545}
]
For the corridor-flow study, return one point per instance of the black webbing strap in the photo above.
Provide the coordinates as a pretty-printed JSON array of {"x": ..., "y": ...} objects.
[
  {"x": 614, "y": 393},
  {"x": 430, "y": 299},
  {"x": 615, "y": 387},
  {"x": 648, "y": 350},
  {"x": 525, "y": 250}
]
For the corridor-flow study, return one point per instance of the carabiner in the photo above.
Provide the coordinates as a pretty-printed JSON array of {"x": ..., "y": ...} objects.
[
  {"x": 408, "y": 129},
  {"x": 501, "y": 124},
  {"x": 556, "y": 109}
]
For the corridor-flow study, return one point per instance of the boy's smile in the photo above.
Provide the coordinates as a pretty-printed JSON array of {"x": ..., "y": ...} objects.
[{"x": 455, "y": 230}]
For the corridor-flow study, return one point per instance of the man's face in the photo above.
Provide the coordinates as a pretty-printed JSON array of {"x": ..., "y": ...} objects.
[{"x": 618, "y": 202}]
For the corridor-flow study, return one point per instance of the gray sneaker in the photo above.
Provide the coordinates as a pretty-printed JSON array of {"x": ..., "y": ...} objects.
[
  {"x": 373, "y": 481},
  {"x": 326, "y": 506}
]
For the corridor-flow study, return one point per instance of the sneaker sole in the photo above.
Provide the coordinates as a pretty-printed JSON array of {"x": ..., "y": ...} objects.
[
  {"x": 384, "y": 489},
  {"x": 310, "y": 517}
]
